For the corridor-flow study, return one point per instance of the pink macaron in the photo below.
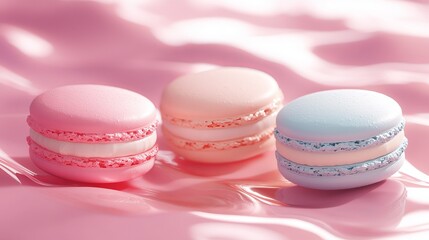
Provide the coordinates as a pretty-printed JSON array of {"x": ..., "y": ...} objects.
[
  {"x": 93, "y": 133},
  {"x": 223, "y": 115}
]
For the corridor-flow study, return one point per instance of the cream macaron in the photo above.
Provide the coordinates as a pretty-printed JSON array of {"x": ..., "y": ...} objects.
[{"x": 222, "y": 115}]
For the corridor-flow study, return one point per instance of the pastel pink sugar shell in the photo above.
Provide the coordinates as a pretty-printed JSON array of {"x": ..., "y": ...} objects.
[
  {"x": 92, "y": 109},
  {"x": 222, "y": 102},
  {"x": 92, "y": 175}
]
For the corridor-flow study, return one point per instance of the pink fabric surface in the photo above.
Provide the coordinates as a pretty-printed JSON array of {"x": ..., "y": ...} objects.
[{"x": 142, "y": 45}]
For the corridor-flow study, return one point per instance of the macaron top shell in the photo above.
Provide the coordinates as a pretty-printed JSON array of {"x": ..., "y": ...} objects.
[
  {"x": 339, "y": 115},
  {"x": 91, "y": 109},
  {"x": 220, "y": 93}
]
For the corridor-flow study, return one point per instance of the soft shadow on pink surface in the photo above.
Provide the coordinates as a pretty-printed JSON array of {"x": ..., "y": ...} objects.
[
  {"x": 125, "y": 45},
  {"x": 382, "y": 204}
]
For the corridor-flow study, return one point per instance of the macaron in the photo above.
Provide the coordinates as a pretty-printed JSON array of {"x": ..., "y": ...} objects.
[
  {"x": 340, "y": 139},
  {"x": 222, "y": 115},
  {"x": 93, "y": 133}
]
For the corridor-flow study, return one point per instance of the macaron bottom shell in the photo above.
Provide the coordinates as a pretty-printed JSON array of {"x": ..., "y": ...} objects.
[
  {"x": 225, "y": 155},
  {"x": 344, "y": 181},
  {"x": 92, "y": 175}
]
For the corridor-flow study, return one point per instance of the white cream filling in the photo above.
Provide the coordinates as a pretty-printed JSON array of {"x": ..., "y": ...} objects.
[
  {"x": 221, "y": 134},
  {"x": 104, "y": 150}
]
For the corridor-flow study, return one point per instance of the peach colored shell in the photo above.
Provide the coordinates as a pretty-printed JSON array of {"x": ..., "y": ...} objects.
[
  {"x": 86, "y": 109},
  {"x": 217, "y": 94},
  {"x": 223, "y": 99},
  {"x": 231, "y": 154}
]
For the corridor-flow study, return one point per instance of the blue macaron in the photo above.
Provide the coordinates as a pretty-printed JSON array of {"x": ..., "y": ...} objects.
[{"x": 340, "y": 139}]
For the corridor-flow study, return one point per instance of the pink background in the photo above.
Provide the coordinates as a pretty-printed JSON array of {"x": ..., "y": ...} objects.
[{"x": 142, "y": 45}]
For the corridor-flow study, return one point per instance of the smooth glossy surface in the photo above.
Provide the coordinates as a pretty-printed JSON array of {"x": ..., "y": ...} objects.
[{"x": 306, "y": 46}]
